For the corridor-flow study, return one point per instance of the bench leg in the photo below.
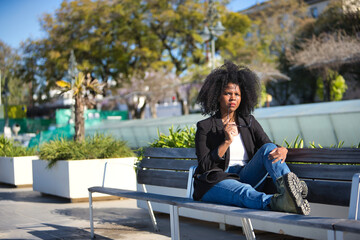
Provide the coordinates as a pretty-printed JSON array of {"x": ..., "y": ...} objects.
[
  {"x": 222, "y": 226},
  {"x": 151, "y": 212},
  {"x": 335, "y": 235},
  {"x": 174, "y": 222},
  {"x": 91, "y": 215},
  {"x": 248, "y": 229},
  {"x": 354, "y": 208},
  {"x": 152, "y": 216}
]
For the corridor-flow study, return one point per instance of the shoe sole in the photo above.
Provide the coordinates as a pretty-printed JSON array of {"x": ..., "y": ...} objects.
[
  {"x": 305, "y": 190},
  {"x": 295, "y": 188}
]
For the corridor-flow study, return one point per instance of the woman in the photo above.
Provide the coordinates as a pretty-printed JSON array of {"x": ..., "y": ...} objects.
[{"x": 234, "y": 153}]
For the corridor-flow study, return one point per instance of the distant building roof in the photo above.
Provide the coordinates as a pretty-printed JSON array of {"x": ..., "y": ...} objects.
[{"x": 261, "y": 6}]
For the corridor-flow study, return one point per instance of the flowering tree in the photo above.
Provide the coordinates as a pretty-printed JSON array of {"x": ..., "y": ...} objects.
[{"x": 148, "y": 89}]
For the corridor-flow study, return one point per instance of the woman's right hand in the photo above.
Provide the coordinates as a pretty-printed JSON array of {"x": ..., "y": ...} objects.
[{"x": 231, "y": 131}]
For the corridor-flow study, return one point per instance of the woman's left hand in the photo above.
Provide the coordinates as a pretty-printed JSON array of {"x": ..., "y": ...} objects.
[{"x": 278, "y": 154}]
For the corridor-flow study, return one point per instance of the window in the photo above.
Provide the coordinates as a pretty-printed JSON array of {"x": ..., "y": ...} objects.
[{"x": 314, "y": 12}]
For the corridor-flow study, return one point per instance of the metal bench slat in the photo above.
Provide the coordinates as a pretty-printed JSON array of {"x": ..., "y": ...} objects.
[
  {"x": 170, "y": 152},
  {"x": 320, "y": 191},
  {"x": 329, "y": 172},
  {"x": 271, "y": 216},
  {"x": 163, "y": 178},
  {"x": 329, "y": 192},
  {"x": 134, "y": 194},
  {"x": 324, "y": 155},
  {"x": 170, "y": 164},
  {"x": 348, "y": 226}
]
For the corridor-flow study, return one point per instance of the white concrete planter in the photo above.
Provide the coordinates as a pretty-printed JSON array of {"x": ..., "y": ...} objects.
[
  {"x": 17, "y": 171},
  {"x": 71, "y": 179}
]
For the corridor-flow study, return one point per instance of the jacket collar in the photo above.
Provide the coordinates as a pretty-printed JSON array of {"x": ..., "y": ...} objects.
[
  {"x": 218, "y": 122},
  {"x": 242, "y": 120}
]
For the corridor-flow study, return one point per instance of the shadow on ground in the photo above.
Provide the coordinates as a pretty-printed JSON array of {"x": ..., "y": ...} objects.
[
  {"x": 134, "y": 218},
  {"x": 28, "y": 195},
  {"x": 62, "y": 232}
]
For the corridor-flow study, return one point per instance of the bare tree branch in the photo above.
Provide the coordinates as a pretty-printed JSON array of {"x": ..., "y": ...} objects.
[{"x": 327, "y": 50}]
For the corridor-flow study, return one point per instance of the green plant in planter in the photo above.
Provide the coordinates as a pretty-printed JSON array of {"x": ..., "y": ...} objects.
[
  {"x": 179, "y": 138},
  {"x": 339, "y": 145},
  {"x": 297, "y": 143},
  {"x": 9, "y": 148},
  {"x": 98, "y": 146}
]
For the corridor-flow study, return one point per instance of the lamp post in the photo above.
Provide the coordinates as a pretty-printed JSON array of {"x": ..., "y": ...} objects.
[
  {"x": 210, "y": 33},
  {"x": 72, "y": 71},
  {"x": 6, "y": 94},
  {"x": 0, "y": 88}
]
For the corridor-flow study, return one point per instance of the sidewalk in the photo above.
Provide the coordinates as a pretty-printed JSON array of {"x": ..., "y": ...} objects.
[{"x": 25, "y": 214}]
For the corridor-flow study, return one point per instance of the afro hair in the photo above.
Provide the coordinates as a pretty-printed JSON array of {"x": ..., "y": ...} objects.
[{"x": 218, "y": 79}]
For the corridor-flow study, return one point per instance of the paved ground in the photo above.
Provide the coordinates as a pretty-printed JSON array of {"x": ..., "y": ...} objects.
[{"x": 25, "y": 214}]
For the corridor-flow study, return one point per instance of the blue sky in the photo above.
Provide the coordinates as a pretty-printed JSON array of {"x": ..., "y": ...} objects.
[{"x": 19, "y": 19}]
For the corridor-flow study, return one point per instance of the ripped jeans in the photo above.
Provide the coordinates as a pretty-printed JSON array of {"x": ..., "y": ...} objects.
[{"x": 244, "y": 193}]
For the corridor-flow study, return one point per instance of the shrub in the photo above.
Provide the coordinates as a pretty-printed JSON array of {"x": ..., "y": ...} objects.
[
  {"x": 97, "y": 147},
  {"x": 299, "y": 143},
  {"x": 9, "y": 148},
  {"x": 179, "y": 138},
  {"x": 185, "y": 138}
]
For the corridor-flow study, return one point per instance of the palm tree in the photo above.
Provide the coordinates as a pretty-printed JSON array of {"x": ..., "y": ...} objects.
[{"x": 81, "y": 86}]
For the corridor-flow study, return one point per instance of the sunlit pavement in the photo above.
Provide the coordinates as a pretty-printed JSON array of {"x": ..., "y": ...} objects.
[{"x": 25, "y": 214}]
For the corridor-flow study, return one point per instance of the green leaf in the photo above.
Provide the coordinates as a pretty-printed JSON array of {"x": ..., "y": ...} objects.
[
  {"x": 98, "y": 146},
  {"x": 177, "y": 138}
]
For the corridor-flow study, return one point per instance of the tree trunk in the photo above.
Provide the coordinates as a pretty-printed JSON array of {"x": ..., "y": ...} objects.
[
  {"x": 153, "y": 110},
  {"x": 140, "y": 112},
  {"x": 326, "y": 83},
  {"x": 184, "y": 104},
  {"x": 328, "y": 87},
  {"x": 132, "y": 111},
  {"x": 31, "y": 94},
  {"x": 79, "y": 119}
]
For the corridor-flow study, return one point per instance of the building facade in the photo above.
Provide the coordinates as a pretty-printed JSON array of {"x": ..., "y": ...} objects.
[{"x": 315, "y": 7}]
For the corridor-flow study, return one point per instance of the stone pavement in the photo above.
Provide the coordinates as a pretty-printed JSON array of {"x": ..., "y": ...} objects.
[{"x": 25, "y": 214}]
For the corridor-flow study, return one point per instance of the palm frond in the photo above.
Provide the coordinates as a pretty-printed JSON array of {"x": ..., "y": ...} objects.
[
  {"x": 94, "y": 85},
  {"x": 78, "y": 85},
  {"x": 63, "y": 84}
]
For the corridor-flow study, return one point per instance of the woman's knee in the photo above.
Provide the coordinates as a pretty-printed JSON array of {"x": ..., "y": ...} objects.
[{"x": 267, "y": 148}]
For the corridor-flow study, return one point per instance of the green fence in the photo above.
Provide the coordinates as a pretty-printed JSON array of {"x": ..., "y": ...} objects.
[
  {"x": 64, "y": 129},
  {"x": 29, "y": 125},
  {"x": 63, "y": 116}
]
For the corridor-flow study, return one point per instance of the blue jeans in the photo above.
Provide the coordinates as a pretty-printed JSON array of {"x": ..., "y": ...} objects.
[{"x": 244, "y": 194}]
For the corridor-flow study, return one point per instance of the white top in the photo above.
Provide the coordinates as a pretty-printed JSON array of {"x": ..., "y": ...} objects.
[{"x": 238, "y": 154}]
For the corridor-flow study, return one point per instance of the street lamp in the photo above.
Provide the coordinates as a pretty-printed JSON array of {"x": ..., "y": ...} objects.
[
  {"x": 212, "y": 32},
  {"x": 72, "y": 71},
  {"x": 6, "y": 94},
  {"x": 0, "y": 88}
]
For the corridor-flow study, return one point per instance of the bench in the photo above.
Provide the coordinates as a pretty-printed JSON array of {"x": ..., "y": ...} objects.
[{"x": 328, "y": 183}]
